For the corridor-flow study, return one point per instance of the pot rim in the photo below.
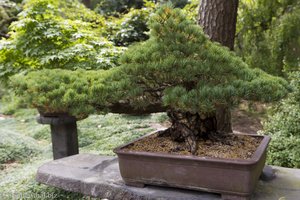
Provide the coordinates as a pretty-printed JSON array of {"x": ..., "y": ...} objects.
[{"x": 252, "y": 161}]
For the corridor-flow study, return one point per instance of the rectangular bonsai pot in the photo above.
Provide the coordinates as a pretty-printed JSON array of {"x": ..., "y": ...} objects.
[{"x": 233, "y": 178}]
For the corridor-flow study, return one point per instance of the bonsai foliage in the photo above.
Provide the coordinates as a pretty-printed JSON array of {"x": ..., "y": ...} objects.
[
  {"x": 48, "y": 34},
  {"x": 77, "y": 93},
  {"x": 178, "y": 70},
  {"x": 284, "y": 128},
  {"x": 181, "y": 69},
  {"x": 60, "y": 91}
]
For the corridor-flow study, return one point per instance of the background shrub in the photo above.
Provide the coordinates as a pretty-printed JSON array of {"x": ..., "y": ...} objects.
[
  {"x": 8, "y": 13},
  {"x": 56, "y": 34},
  {"x": 268, "y": 35},
  {"x": 284, "y": 128},
  {"x": 131, "y": 27},
  {"x": 16, "y": 147},
  {"x": 117, "y": 7}
]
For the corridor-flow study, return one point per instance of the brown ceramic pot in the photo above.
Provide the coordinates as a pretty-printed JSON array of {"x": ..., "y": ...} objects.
[{"x": 233, "y": 178}]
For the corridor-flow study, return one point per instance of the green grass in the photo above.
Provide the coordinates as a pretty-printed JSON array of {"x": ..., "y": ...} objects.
[
  {"x": 21, "y": 180},
  {"x": 17, "y": 147},
  {"x": 25, "y": 145},
  {"x": 102, "y": 133}
]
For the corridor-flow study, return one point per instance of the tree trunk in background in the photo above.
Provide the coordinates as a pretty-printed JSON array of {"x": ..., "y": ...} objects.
[
  {"x": 87, "y": 3},
  {"x": 218, "y": 19}
]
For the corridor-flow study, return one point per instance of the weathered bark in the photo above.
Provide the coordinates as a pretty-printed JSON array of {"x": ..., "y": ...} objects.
[
  {"x": 218, "y": 19},
  {"x": 188, "y": 127}
]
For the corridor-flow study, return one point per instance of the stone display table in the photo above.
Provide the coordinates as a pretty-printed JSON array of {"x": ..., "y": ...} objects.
[{"x": 99, "y": 176}]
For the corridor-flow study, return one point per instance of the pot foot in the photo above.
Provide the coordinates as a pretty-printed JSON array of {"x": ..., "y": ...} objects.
[
  {"x": 234, "y": 197},
  {"x": 135, "y": 184}
]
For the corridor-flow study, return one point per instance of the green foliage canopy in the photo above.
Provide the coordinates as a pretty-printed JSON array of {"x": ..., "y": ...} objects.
[
  {"x": 178, "y": 68},
  {"x": 60, "y": 91},
  {"x": 56, "y": 34}
]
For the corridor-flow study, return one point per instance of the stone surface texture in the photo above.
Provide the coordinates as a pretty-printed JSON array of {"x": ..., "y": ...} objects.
[{"x": 99, "y": 176}]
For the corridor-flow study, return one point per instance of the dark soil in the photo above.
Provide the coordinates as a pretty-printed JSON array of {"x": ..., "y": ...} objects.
[{"x": 229, "y": 146}]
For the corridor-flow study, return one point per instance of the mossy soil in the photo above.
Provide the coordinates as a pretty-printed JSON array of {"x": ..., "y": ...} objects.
[{"x": 230, "y": 146}]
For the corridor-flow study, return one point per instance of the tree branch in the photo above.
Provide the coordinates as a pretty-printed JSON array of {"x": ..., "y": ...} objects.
[{"x": 126, "y": 108}]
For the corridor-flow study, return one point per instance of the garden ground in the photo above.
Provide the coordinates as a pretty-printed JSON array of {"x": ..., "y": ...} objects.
[{"x": 25, "y": 145}]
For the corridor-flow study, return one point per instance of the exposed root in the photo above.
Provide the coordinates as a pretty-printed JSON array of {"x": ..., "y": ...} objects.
[{"x": 188, "y": 127}]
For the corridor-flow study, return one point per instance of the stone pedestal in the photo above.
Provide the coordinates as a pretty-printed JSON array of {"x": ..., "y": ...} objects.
[
  {"x": 99, "y": 176},
  {"x": 63, "y": 134}
]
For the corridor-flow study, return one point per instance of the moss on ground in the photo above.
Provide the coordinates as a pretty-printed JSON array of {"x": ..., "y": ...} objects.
[{"x": 26, "y": 146}]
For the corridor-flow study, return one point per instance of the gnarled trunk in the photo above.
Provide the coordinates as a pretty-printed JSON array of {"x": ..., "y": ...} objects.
[{"x": 188, "y": 127}]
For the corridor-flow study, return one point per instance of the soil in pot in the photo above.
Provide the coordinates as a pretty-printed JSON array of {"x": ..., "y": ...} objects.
[{"x": 229, "y": 146}]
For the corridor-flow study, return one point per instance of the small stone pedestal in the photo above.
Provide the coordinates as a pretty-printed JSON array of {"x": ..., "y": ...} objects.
[{"x": 63, "y": 134}]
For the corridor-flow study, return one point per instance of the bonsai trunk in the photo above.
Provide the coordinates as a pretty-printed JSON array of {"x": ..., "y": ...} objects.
[{"x": 189, "y": 128}]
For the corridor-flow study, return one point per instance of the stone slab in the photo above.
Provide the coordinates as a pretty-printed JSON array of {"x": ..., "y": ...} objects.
[{"x": 99, "y": 176}]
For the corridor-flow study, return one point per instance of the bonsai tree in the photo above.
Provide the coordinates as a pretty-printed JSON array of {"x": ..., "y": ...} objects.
[
  {"x": 181, "y": 71},
  {"x": 178, "y": 70}
]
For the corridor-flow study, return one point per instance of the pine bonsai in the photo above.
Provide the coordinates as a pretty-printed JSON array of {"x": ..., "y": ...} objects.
[
  {"x": 178, "y": 70},
  {"x": 59, "y": 91}
]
